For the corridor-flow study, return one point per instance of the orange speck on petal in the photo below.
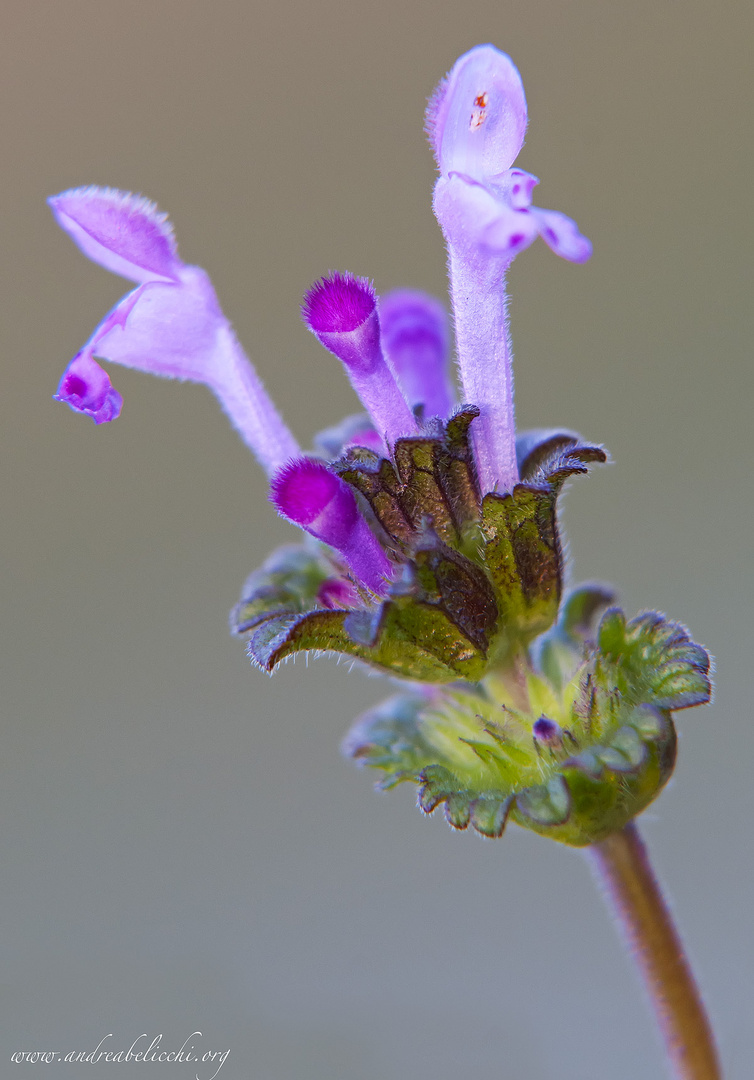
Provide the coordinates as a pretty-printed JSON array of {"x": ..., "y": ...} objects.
[{"x": 477, "y": 114}]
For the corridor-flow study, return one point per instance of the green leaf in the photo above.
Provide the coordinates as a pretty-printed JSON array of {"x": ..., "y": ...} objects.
[
  {"x": 288, "y": 582},
  {"x": 545, "y": 804},
  {"x": 477, "y": 584},
  {"x": 389, "y": 737},
  {"x": 474, "y": 752},
  {"x": 652, "y": 661},
  {"x": 581, "y": 605},
  {"x": 437, "y": 785},
  {"x": 459, "y": 588},
  {"x": 489, "y": 815},
  {"x": 560, "y": 650},
  {"x": 437, "y": 626},
  {"x": 650, "y": 723},
  {"x": 407, "y": 632},
  {"x": 628, "y": 743},
  {"x": 458, "y": 809}
]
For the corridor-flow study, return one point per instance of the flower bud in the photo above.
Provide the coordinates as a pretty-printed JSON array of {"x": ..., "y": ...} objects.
[
  {"x": 341, "y": 311},
  {"x": 415, "y": 335},
  {"x": 307, "y": 493}
]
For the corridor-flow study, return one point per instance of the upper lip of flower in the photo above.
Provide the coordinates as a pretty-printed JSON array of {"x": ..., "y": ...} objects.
[{"x": 477, "y": 117}]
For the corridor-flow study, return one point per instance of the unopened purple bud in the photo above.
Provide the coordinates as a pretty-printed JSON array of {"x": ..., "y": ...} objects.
[
  {"x": 87, "y": 389},
  {"x": 547, "y": 732},
  {"x": 341, "y": 310},
  {"x": 352, "y": 431},
  {"x": 307, "y": 493},
  {"x": 339, "y": 303},
  {"x": 415, "y": 335},
  {"x": 337, "y": 594}
]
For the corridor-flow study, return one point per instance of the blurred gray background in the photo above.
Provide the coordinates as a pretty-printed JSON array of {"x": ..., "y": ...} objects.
[{"x": 183, "y": 848}]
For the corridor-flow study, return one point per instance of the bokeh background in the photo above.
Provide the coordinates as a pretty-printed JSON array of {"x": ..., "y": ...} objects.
[{"x": 183, "y": 847}]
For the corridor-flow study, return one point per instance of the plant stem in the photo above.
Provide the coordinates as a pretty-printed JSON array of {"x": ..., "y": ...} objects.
[{"x": 621, "y": 865}]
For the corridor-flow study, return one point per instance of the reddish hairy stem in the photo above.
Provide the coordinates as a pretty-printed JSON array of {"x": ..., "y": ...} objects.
[{"x": 621, "y": 865}]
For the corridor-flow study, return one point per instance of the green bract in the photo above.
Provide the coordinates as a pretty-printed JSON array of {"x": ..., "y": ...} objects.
[
  {"x": 479, "y": 578},
  {"x": 525, "y": 712},
  {"x": 474, "y": 749}
]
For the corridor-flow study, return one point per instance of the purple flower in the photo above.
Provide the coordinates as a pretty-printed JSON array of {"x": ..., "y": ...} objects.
[
  {"x": 476, "y": 123},
  {"x": 395, "y": 353},
  {"x": 415, "y": 336},
  {"x": 170, "y": 325}
]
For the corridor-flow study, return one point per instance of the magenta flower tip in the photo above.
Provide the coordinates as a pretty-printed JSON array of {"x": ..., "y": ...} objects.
[
  {"x": 341, "y": 310},
  {"x": 86, "y": 388},
  {"x": 308, "y": 494},
  {"x": 303, "y": 489},
  {"x": 338, "y": 303}
]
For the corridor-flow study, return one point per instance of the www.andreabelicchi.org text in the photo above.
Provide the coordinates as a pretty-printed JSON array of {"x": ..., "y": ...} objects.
[{"x": 141, "y": 1051}]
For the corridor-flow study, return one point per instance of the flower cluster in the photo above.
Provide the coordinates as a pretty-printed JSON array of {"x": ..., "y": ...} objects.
[{"x": 432, "y": 550}]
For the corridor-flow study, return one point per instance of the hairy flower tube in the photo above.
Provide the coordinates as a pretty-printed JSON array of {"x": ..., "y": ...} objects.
[{"x": 432, "y": 549}]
